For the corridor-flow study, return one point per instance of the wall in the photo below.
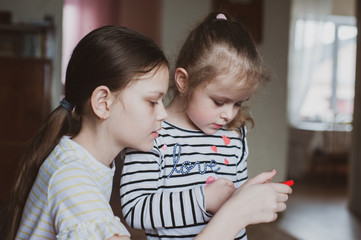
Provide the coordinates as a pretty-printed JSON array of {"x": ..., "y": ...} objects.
[
  {"x": 268, "y": 140},
  {"x": 344, "y": 7},
  {"x": 34, "y": 11},
  {"x": 179, "y": 16}
]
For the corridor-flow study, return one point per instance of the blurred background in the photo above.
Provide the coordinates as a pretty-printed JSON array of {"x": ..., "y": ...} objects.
[{"x": 307, "y": 123}]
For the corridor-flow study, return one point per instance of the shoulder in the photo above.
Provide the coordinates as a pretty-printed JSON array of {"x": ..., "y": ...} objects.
[
  {"x": 62, "y": 158},
  {"x": 67, "y": 161}
]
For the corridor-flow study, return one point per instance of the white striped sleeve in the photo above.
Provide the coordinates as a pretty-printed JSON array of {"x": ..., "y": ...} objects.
[
  {"x": 79, "y": 207},
  {"x": 147, "y": 205},
  {"x": 242, "y": 173}
]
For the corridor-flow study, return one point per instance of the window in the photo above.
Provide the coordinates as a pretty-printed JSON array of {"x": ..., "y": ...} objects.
[{"x": 327, "y": 93}]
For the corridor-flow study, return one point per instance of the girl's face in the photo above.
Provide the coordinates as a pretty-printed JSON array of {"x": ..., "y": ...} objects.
[
  {"x": 215, "y": 104},
  {"x": 140, "y": 110}
]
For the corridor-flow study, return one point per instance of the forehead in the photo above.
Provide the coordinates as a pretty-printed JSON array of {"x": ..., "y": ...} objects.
[
  {"x": 154, "y": 81},
  {"x": 230, "y": 87},
  {"x": 228, "y": 80}
]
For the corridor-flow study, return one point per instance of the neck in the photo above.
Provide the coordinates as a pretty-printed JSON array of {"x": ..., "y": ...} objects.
[
  {"x": 101, "y": 147},
  {"x": 177, "y": 114}
]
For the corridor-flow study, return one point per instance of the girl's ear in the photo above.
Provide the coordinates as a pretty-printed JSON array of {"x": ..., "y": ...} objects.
[
  {"x": 101, "y": 100},
  {"x": 181, "y": 79}
]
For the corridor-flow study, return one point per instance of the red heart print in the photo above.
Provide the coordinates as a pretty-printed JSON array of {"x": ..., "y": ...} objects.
[
  {"x": 226, "y": 140},
  {"x": 214, "y": 148},
  {"x": 226, "y": 161}
]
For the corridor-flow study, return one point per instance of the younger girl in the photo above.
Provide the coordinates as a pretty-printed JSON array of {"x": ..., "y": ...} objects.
[
  {"x": 115, "y": 82},
  {"x": 200, "y": 156}
]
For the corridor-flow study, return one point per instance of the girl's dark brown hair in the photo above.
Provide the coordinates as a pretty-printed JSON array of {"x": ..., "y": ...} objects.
[
  {"x": 112, "y": 56},
  {"x": 217, "y": 45}
]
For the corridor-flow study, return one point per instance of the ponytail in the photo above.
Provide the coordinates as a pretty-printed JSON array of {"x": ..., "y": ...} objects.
[{"x": 59, "y": 123}]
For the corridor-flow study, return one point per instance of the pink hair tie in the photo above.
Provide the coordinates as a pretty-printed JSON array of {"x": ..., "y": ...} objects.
[{"x": 221, "y": 16}]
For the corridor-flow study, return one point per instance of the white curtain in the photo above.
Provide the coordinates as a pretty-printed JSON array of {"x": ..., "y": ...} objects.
[{"x": 304, "y": 49}]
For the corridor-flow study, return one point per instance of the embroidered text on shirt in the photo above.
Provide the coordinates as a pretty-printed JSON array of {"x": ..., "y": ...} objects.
[{"x": 187, "y": 166}]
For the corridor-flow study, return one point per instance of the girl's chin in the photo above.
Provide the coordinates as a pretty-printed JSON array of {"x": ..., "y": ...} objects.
[
  {"x": 146, "y": 147},
  {"x": 209, "y": 131}
]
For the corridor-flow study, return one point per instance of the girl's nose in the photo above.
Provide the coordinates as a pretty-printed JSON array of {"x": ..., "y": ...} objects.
[
  {"x": 227, "y": 113},
  {"x": 162, "y": 113}
]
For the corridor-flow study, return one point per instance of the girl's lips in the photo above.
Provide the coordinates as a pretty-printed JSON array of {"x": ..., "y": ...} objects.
[
  {"x": 217, "y": 126},
  {"x": 155, "y": 134}
]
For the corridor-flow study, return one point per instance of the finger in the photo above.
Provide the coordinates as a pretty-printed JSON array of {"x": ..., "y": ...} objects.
[
  {"x": 281, "y": 188},
  {"x": 282, "y": 197},
  {"x": 263, "y": 177},
  {"x": 281, "y": 207},
  {"x": 273, "y": 218},
  {"x": 270, "y": 217}
]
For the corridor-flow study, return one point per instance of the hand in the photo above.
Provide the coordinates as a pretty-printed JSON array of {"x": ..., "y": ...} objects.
[
  {"x": 256, "y": 201},
  {"x": 260, "y": 199},
  {"x": 217, "y": 193}
]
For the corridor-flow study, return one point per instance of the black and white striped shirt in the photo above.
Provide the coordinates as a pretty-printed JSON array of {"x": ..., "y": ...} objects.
[{"x": 162, "y": 190}]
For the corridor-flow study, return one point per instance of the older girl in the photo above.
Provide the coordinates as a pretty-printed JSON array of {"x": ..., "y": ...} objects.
[{"x": 115, "y": 82}]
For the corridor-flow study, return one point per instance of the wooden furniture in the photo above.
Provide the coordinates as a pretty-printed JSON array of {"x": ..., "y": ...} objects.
[
  {"x": 25, "y": 89},
  {"x": 331, "y": 159},
  {"x": 24, "y": 40},
  {"x": 24, "y": 105}
]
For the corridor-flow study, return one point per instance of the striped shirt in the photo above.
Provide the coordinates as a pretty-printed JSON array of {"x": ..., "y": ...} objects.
[
  {"x": 162, "y": 190},
  {"x": 70, "y": 198}
]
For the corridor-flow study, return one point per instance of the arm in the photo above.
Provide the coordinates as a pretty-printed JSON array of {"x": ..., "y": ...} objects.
[
  {"x": 254, "y": 202},
  {"x": 147, "y": 202}
]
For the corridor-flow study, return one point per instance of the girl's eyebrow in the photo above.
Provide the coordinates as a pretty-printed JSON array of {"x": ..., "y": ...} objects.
[
  {"x": 158, "y": 93},
  {"x": 245, "y": 100},
  {"x": 226, "y": 99}
]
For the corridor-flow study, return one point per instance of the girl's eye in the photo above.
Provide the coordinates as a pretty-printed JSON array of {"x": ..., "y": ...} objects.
[
  {"x": 239, "y": 104},
  {"x": 218, "y": 103},
  {"x": 153, "y": 103}
]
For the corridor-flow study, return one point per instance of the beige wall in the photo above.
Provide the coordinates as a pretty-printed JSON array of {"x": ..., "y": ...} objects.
[
  {"x": 344, "y": 7},
  {"x": 269, "y": 139},
  {"x": 178, "y": 18}
]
